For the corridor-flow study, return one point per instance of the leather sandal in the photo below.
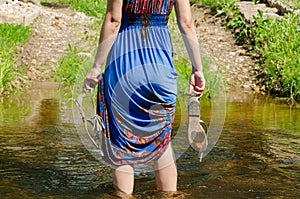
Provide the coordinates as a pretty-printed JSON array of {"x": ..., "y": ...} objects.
[{"x": 197, "y": 129}]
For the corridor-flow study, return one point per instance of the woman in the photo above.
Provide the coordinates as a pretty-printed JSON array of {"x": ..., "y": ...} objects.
[{"x": 137, "y": 93}]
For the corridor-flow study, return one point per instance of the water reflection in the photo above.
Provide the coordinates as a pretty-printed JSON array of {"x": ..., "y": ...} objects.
[{"x": 257, "y": 155}]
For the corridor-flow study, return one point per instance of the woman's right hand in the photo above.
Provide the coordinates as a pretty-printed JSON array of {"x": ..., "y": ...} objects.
[
  {"x": 91, "y": 80},
  {"x": 197, "y": 84}
]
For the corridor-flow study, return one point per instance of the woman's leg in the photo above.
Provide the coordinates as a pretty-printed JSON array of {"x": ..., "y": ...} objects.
[
  {"x": 166, "y": 171},
  {"x": 123, "y": 179}
]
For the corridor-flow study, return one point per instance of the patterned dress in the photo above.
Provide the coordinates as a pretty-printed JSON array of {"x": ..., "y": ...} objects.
[{"x": 137, "y": 94}]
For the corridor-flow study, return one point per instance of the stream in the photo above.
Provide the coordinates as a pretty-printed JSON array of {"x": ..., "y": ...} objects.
[{"x": 256, "y": 156}]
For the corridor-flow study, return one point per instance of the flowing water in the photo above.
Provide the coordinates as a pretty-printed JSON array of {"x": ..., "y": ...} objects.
[{"x": 41, "y": 155}]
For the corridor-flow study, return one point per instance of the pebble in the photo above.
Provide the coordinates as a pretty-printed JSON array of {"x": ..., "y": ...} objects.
[
  {"x": 246, "y": 87},
  {"x": 241, "y": 52},
  {"x": 84, "y": 54},
  {"x": 232, "y": 53}
]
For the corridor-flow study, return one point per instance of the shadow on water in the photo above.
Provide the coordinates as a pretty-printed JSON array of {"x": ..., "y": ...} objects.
[{"x": 257, "y": 155}]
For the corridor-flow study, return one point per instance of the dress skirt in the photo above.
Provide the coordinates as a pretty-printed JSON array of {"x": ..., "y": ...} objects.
[{"x": 137, "y": 93}]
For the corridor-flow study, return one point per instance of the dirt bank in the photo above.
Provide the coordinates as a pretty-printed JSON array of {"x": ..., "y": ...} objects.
[
  {"x": 54, "y": 30},
  {"x": 237, "y": 65}
]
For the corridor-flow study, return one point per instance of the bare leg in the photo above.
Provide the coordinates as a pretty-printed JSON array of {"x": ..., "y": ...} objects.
[
  {"x": 166, "y": 172},
  {"x": 123, "y": 178}
]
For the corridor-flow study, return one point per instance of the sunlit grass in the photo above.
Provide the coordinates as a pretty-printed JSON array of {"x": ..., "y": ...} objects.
[
  {"x": 276, "y": 41},
  {"x": 279, "y": 44},
  {"x": 69, "y": 67},
  {"x": 94, "y": 8},
  {"x": 11, "y": 36}
]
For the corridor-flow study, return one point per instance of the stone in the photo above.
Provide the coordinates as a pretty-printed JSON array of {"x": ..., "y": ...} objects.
[
  {"x": 297, "y": 12},
  {"x": 250, "y": 9},
  {"x": 273, "y": 15},
  {"x": 282, "y": 8},
  {"x": 37, "y": 2},
  {"x": 17, "y": 12}
]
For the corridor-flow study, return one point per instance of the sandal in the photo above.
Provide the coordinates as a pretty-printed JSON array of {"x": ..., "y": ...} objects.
[{"x": 197, "y": 129}]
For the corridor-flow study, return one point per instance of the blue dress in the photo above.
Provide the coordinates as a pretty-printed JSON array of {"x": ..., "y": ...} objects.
[{"x": 137, "y": 94}]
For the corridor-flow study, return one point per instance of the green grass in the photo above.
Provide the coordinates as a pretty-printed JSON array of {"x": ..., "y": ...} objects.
[
  {"x": 194, "y": 1},
  {"x": 276, "y": 41},
  {"x": 94, "y": 8},
  {"x": 69, "y": 66},
  {"x": 11, "y": 37},
  {"x": 279, "y": 44}
]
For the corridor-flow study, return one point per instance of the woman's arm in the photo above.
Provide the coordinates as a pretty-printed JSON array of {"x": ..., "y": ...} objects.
[
  {"x": 187, "y": 28},
  {"x": 109, "y": 31}
]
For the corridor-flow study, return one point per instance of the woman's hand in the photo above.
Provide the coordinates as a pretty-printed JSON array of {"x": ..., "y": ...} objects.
[
  {"x": 91, "y": 80},
  {"x": 197, "y": 84}
]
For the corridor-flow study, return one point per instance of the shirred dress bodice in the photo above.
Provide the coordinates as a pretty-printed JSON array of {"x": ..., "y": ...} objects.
[
  {"x": 148, "y": 6},
  {"x": 146, "y": 12}
]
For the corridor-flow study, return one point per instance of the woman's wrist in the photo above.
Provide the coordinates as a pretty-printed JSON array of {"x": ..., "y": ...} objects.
[
  {"x": 197, "y": 69},
  {"x": 97, "y": 67}
]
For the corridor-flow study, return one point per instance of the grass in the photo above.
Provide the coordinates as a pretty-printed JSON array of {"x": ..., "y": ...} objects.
[
  {"x": 70, "y": 66},
  {"x": 276, "y": 41},
  {"x": 279, "y": 44},
  {"x": 94, "y": 8},
  {"x": 11, "y": 37}
]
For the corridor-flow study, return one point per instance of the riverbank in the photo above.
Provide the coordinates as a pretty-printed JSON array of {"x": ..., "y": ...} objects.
[
  {"x": 59, "y": 29},
  {"x": 236, "y": 65}
]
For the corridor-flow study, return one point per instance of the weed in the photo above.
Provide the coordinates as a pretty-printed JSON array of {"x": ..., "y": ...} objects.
[
  {"x": 276, "y": 41},
  {"x": 11, "y": 36},
  {"x": 69, "y": 66},
  {"x": 94, "y": 8},
  {"x": 194, "y": 1}
]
